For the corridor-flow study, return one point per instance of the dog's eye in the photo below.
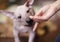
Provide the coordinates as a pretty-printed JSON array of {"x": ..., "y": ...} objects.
[{"x": 27, "y": 11}]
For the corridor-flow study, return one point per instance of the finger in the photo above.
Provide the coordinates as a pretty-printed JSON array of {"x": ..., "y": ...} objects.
[
  {"x": 35, "y": 18},
  {"x": 35, "y": 26},
  {"x": 51, "y": 11},
  {"x": 43, "y": 10},
  {"x": 32, "y": 17}
]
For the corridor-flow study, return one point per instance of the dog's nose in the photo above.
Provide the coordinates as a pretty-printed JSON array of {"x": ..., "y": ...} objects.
[
  {"x": 30, "y": 21},
  {"x": 19, "y": 16}
]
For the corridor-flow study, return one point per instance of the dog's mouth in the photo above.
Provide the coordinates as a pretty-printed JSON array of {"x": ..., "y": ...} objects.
[{"x": 30, "y": 25}]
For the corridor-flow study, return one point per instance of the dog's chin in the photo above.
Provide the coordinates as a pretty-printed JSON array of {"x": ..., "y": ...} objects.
[{"x": 29, "y": 25}]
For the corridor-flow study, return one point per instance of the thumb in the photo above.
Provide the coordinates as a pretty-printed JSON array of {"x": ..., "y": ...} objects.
[
  {"x": 31, "y": 17},
  {"x": 35, "y": 17}
]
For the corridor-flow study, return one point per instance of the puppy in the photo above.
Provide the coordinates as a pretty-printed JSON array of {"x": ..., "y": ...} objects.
[{"x": 21, "y": 21}]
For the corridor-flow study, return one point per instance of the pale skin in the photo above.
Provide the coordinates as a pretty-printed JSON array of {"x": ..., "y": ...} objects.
[{"x": 46, "y": 12}]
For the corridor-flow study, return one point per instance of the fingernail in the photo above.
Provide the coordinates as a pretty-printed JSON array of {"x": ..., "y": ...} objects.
[{"x": 31, "y": 17}]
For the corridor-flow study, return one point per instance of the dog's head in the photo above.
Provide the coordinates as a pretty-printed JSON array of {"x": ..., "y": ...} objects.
[{"x": 23, "y": 12}]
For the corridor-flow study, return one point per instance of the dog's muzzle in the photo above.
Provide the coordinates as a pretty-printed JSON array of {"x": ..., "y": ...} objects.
[
  {"x": 19, "y": 17},
  {"x": 30, "y": 22}
]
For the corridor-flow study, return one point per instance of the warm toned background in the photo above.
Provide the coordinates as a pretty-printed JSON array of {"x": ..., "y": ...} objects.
[{"x": 53, "y": 23}]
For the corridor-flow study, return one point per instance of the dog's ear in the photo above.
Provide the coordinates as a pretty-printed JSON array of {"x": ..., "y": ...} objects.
[{"x": 29, "y": 3}]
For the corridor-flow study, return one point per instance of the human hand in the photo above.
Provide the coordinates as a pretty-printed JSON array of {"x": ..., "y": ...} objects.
[{"x": 46, "y": 12}]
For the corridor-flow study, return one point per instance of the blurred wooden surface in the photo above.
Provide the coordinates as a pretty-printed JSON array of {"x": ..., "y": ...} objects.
[{"x": 3, "y": 4}]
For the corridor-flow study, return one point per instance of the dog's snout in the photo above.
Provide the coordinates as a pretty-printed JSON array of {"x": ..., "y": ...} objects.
[
  {"x": 19, "y": 16},
  {"x": 30, "y": 21}
]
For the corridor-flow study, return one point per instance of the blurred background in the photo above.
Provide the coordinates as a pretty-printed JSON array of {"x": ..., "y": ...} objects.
[{"x": 51, "y": 28}]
